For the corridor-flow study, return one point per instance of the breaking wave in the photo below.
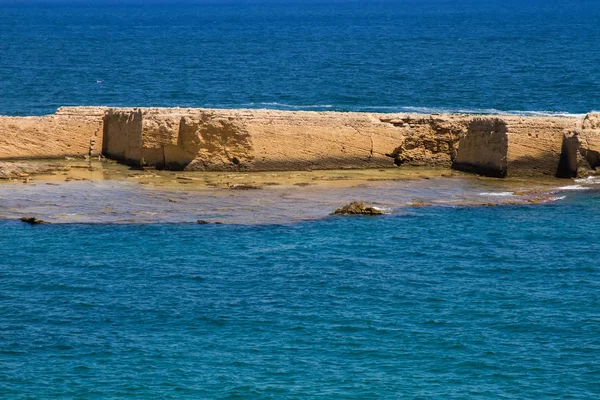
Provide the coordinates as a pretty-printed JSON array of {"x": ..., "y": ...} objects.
[
  {"x": 574, "y": 187},
  {"x": 497, "y": 194},
  {"x": 407, "y": 109}
]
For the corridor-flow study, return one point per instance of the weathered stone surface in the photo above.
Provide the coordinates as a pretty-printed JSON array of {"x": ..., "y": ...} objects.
[
  {"x": 72, "y": 131},
  {"x": 589, "y": 138},
  {"x": 215, "y": 143},
  {"x": 258, "y": 139},
  {"x": 580, "y": 153},
  {"x": 483, "y": 150},
  {"x": 122, "y": 136},
  {"x": 428, "y": 140},
  {"x": 263, "y": 140},
  {"x": 535, "y": 143},
  {"x": 506, "y": 145}
]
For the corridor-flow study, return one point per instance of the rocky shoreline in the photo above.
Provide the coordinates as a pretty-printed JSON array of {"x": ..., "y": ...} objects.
[{"x": 188, "y": 139}]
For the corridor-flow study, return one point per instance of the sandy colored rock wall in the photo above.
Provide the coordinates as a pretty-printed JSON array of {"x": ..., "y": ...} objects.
[
  {"x": 262, "y": 140},
  {"x": 589, "y": 138},
  {"x": 72, "y": 131},
  {"x": 580, "y": 152},
  {"x": 125, "y": 133},
  {"x": 534, "y": 143},
  {"x": 206, "y": 139},
  {"x": 484, "y": 148},
  {"x": 202, "y": 139}
]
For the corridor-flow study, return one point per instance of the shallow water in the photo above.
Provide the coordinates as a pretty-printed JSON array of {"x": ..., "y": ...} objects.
[
  {"x": 110, "y": 193},
  {"x": 443, "y": 302}
]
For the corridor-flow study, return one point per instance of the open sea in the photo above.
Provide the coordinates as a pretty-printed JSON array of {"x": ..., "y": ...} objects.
[
  {"x": 441, "y": 302},
  {"x": 383, "y": 55}
]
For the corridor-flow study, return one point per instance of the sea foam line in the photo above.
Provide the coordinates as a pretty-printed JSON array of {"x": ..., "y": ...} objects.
[
  {"x": 573, "y": 187},
  {"x": 497, "y": 194},
  {"x": 415, "y": 109}
]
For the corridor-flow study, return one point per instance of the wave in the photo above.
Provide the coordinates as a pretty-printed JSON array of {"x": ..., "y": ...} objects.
[
  {"x": 497, "y": 194},
  {"x": 410, "y": 109},
  {"x": 289, "y": 106},
  {"x": 574, "y": 187},
  {"x": 590, "y": 180},
  {"x": 557, "y": 198}
]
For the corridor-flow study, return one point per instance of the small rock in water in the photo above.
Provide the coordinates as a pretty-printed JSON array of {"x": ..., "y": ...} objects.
[
  {"x": 244, "y": 186},
  {"x": 202, "y": 222},
  {"x": 33, "y": 221},
  {"x": 358, "y": 208}
]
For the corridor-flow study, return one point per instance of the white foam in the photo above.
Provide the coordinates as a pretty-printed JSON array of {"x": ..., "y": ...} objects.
[
  {"x": 395, "y": 109},
  {"x": 574, "y": 187},
  {"x": 497, "y": 194},
  {"x": 292, "y": 106},
  {"x": 589, "y": 180},
  {"x": 557, "y": 198}
]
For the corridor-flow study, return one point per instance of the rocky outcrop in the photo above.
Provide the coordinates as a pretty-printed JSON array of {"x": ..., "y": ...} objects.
[
  {"x": 568, "y": 164},
  {"x": 484, "y": 148},
  {"x": 259, "y": 140},
  {"x": 358, "y": 208},
  {"x": 265, "y": 140},
  {"x": 590, "y": 139},
  {"x": 534, "y": 144},
  {"x": 580, "y": 152},
  {"x": 32, "y": 221},
  {"x": 125, "y": 134},
  {"x": 428, "y": 140},
  {"x": 72, "y": 131}
]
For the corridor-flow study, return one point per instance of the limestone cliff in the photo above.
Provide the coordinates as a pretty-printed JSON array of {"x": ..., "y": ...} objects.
[
  {"x": 72, "y": 131},
  {"x": 260, "y": 140},
  {"x": 203, "y": 139},
  {"x": 580, "y": 151}
]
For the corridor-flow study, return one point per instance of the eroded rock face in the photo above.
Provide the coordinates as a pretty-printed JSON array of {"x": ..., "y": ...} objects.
[
  {"x": 590, "y": 139},
  {"x": 484, "y": 148},
  {"x": 72, "y": 131},
  {"x": 506, "y": 145},
  {"x": 259, "y": 140},
  {"x": 216, "y": 143},
  {"x": 580, "y": 153},
  {"x": 122, "y": 136},
  {"x": 176, "y": 139},
  {"x": 428, "y": 140},
  {"x": 535, "y": 143},
  {"x": 568, "y": 164},
  {"x": 266, "y": 140}
]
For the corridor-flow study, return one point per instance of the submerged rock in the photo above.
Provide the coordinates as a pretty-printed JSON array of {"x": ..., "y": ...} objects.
[
  {"x": 358, "y": 208},
  {"x": 244, "y": 186},
  {"x": 33, "y": 221}
]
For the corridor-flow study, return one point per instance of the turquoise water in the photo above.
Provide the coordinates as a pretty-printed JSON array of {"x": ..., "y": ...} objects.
[
  {"x": 474, "y": 302},
  {"x": 403, "y": 55}
]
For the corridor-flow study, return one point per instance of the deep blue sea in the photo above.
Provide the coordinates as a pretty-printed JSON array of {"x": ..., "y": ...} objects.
[
  {"x": 448, "y": 303},
  {"x": 385, "y": 55},
  {"x": 443, "y": 302}
]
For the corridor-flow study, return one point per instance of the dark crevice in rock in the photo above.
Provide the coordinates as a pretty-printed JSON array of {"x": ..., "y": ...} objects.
[{"x": 567, "y": 164}]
